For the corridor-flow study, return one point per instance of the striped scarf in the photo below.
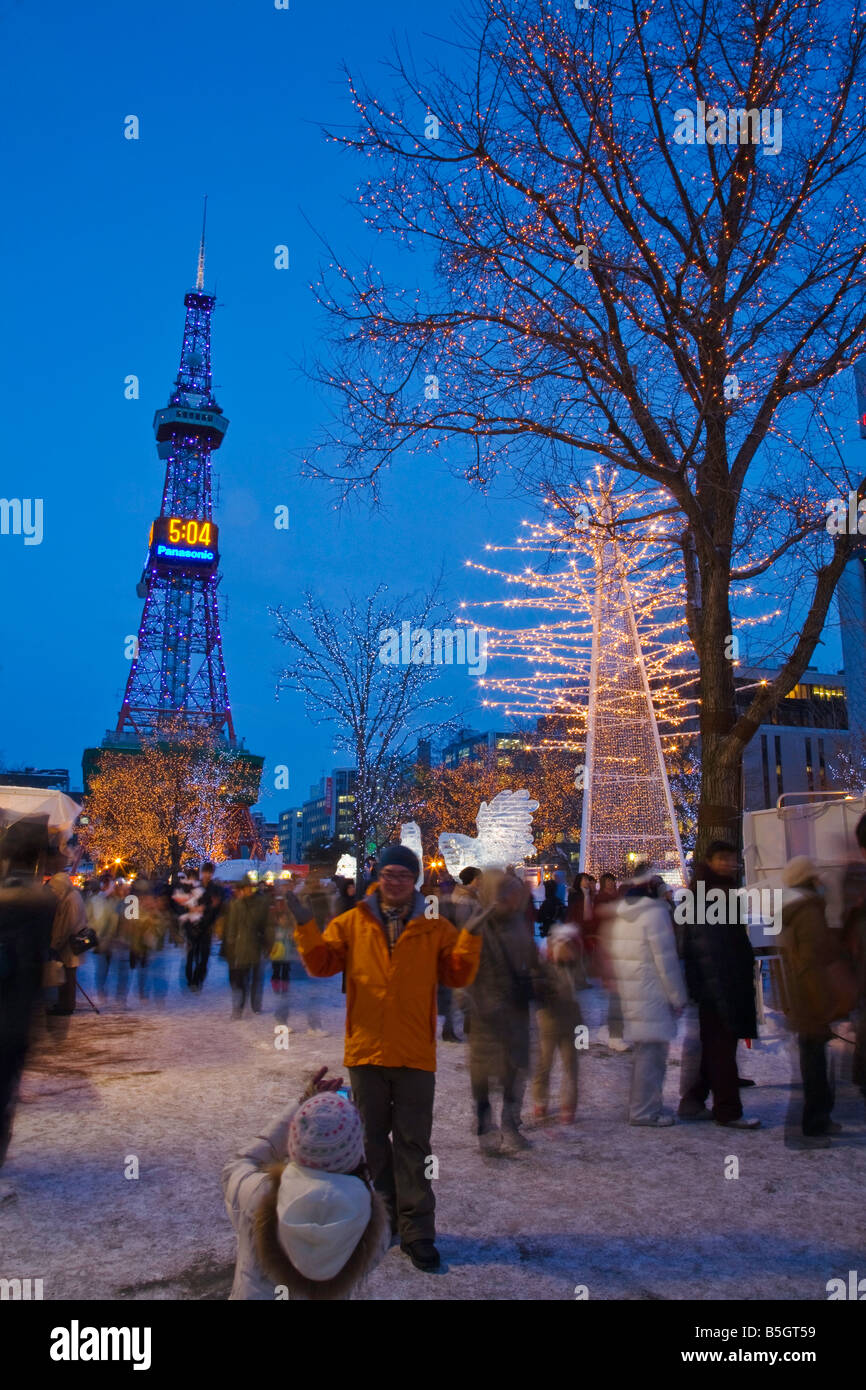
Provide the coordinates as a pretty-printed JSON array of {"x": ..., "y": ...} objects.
[{"x": 394, "y": 920}]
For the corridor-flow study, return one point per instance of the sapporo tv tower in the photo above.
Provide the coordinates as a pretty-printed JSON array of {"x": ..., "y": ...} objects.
[{"x": 178, "y": 672}]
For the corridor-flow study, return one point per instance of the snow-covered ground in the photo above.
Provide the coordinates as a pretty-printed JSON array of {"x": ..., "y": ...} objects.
[{"x": 628, "y": 1213}]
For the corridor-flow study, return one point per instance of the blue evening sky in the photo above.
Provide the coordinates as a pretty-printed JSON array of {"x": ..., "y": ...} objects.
[
  {"x": 98, "y": 242},
  {"x": 99, "y": 245}
]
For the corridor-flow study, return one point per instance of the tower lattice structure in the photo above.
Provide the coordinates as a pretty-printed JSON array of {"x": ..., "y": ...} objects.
[
  {"x": 177, "y": 679},
  {"x": 178, "y": 670}
]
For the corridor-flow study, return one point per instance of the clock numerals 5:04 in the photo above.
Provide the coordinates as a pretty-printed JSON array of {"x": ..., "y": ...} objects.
[{"x": 190, "y": 532}]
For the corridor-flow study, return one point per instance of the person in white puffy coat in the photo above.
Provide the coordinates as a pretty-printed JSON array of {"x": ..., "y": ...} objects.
[{"x": 643, "y": 953}]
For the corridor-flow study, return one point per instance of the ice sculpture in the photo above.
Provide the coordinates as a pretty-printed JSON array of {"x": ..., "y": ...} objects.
[
  {"x": 410, "y": 836},
  {"x": 504, "y": 835},
  {"x": 347, "y": 867}
]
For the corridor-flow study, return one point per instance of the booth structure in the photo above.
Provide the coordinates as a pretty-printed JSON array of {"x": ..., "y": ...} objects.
[{"x": 59, "y": 809}]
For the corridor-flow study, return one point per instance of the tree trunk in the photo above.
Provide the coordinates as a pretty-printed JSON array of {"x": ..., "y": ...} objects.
[
  {"x": 720, "y": 813},
  {"x": 359, "y": 849}
]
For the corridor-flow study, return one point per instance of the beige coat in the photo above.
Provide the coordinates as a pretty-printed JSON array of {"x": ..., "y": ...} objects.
[{"x": 70, "y": 917}]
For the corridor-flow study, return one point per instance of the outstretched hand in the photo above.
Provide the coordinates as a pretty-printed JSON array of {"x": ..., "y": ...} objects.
[
  {"x": 300, "y": 911},
  {"x": 317, "y": 1083}
]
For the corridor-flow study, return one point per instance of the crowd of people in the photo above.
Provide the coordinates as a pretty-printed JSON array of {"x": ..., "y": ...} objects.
[{"x": 476, "y": 951}]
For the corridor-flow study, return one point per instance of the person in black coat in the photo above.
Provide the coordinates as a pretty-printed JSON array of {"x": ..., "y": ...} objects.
[
  {"x": 552, "y": 909},
  {"x": 213, "y": 900},
  {"x": 719, "y": 968},
  {"x": 26, "y": 918}
]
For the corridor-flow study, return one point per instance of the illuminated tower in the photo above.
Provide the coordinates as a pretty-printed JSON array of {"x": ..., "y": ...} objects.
[
  {"x": 177, "y": 673},
  {"x": 178, "y": 668}
]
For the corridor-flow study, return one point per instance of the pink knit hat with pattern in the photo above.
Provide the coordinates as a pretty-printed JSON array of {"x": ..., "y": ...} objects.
[{"x": 325, "y": 1133}]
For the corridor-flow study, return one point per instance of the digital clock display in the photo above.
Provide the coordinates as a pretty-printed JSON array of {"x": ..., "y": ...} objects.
[{"x": 176, "y": 540}]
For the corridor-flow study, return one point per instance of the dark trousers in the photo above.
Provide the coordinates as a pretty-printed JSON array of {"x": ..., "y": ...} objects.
[
  {"x": 513, "y": 1082},
  {"x": 197, "y": 957},
  {"x": 12, "y": 1056},
  {"x": 396, "y": 1107},
  {"x": 858, "y": 1070},
  {"x": 281, "y": 971},
  {"x": 818, "y": 1091},
  {"x": 246, "y": 980},
  {"x": 66, "y": 992},
  {"x": 718, "y": 1069}
]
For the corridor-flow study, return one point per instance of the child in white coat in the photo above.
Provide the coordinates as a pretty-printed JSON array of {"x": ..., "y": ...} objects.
[{"x": 307, "y": 1220}]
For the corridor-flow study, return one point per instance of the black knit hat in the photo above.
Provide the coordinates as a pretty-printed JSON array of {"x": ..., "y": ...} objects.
[{"x": 402, "y": 856}]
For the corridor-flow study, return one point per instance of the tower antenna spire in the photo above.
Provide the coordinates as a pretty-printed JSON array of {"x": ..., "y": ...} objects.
[{"x": 199, "y": 279}]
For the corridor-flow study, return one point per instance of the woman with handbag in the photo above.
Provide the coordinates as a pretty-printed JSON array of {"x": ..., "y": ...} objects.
[
  {"x": 499, "y": 1010},
  {"x": 69, "y": 920}
]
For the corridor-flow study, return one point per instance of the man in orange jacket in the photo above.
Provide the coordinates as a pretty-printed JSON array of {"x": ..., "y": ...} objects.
[{"x": 394, "y": 955}]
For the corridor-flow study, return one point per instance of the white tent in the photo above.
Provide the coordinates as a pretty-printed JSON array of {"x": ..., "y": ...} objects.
[
  {"x": 233, "y": 870},
  {"x": 61, "y": 810}
]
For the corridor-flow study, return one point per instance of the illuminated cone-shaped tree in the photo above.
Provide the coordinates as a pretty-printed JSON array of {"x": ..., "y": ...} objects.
[
  {"x": 613, "y": 673},
  {"x": 628, "y": 812}
]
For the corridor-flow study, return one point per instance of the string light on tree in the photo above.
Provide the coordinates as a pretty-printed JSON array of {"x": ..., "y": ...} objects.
[{"x": 612, "y": 672}]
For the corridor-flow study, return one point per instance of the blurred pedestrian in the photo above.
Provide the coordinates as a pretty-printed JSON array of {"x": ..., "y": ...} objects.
[
  {"x": 581, "y": 903},
  {"x": 720, "y": 977},
  {"x": 103, "y": 915},
  {"x": 200, "y": 937},
  {"x": 559, "y": 1016},
  {"x": 149, "y": 936},
  {"x": 603, "y": 903},
  {"x": 606, "y": 902},
  {"x": 346, "y": 894},
  {"x": 642, "y": 948},
  {"x": 247, "y": 940},
  {"x": 69, "y": 919},
  {"x": 551, "y": 910},
  {"x": 854, "y": 930},
  {"x": 499, "y": 1000},
  {"x": 815, "y": 965},
  {"x": 27, "y": 913},
  {"x": 315, "y": 899},
  {"x": 283, "y": 923},
  {"x": 450, "y": 1002},
  {"x": 188, "y": 899}
]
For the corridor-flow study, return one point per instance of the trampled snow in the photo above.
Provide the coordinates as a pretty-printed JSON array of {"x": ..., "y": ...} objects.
[{"x": 625, "y": 1213}]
